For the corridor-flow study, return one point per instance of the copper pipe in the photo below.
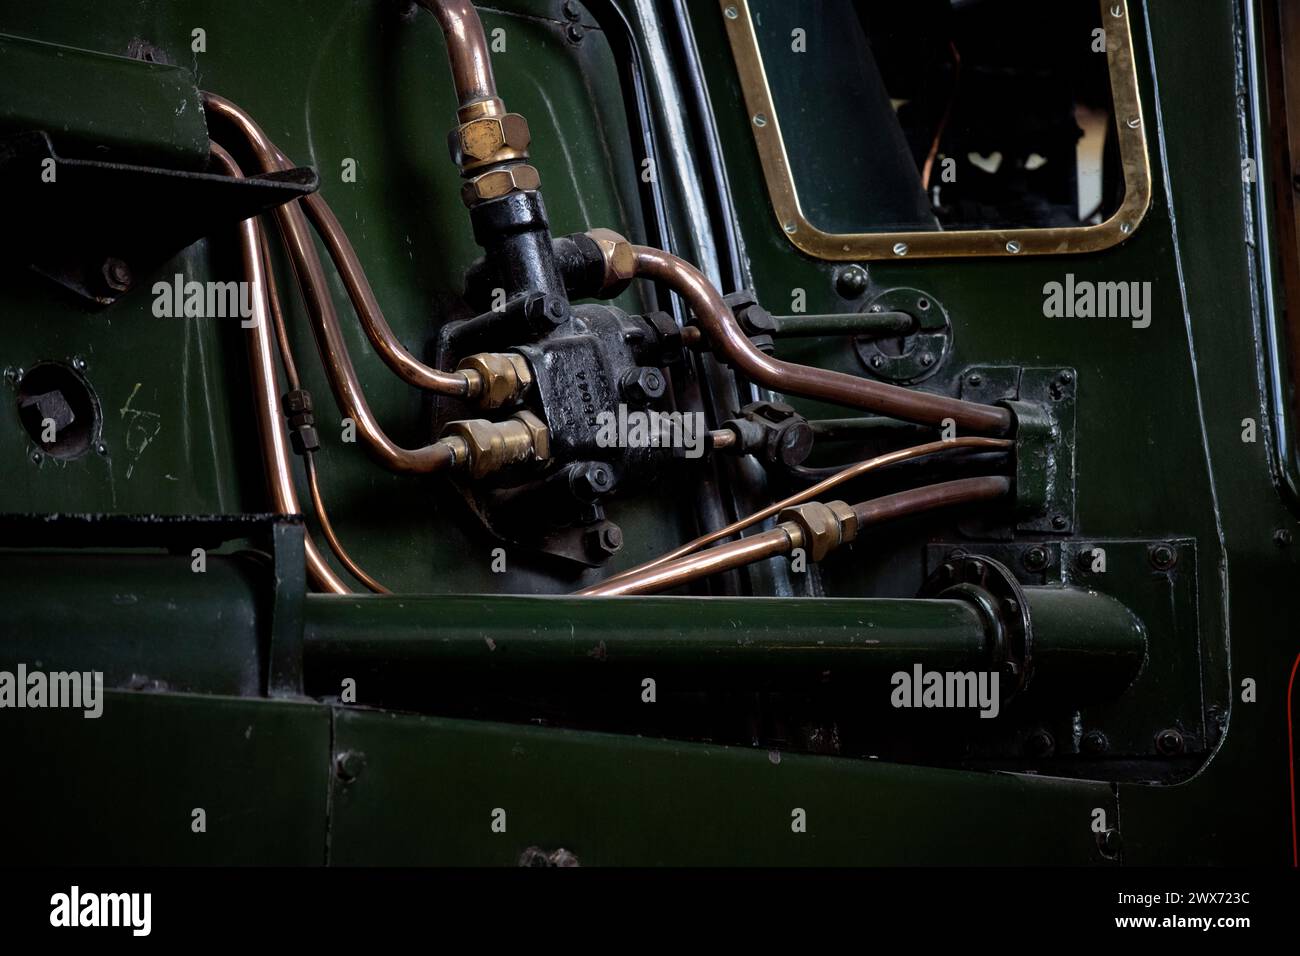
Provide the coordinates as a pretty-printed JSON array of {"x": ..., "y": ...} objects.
[
  {"x": 266, "y": 397},
  {"x": 378, "y": 331},
  {"x": 930, "y": 497},
  {"x": 808, "y": 494},
  {"x": 277, "y": 316},
  {"x": 722, "y": 439},
  {"x": 731, "y": 343},
  {"x": 376, "y": 327},
  {"x": 467, "y": 48},
  {"x": 783, "y": 538},
  {"x": 767, "y": 544},
  {"x": 328, "y": 530},
  {"x": 343, "y": 380}
]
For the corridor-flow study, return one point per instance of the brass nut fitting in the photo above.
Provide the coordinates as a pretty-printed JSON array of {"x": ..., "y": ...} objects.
[
  {"x": 489, "y": 139},
  {"x": 491, "y": 446},
  {"x": 620, "y": 261},
  {"x": 500, "y": 182},
  {"x": 824, "y": 527},
  {"x": 503, "y": 377}
]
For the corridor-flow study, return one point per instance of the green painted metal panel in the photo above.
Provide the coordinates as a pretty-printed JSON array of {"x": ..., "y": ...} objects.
[
  {"x": 122, "y": 788},
  {"x": 98, "y": 106},
  {"x": 427, "y": 790}
]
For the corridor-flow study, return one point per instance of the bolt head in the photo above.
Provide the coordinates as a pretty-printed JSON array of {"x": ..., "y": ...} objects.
[
  {"x": 851, "y": 282},
  {"x": 1282, "y": 537},
  {"x": 1040, "y": 743},
  {"x": 117, "y": 274},
  {"x": 644, "y": 385},
  {"x": 591, "y": 481},
  {"x": 1035, "y": 558},
  {"x": 605, "y": 539},
  {"x": 1162, "y": 557},
  {"x": 349, "y": 765},
  {"x": 1169, "y": 742},
  {"x": 1094, "y": 742}
]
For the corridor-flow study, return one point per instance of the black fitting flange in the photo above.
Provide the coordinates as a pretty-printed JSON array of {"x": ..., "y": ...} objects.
[{"x": 774, "y": 432}]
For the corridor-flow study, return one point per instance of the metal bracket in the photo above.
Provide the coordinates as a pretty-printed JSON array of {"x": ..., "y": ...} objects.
[
  {"x": 96, "y": 227},
  {"x": 1043, "y": 403}
]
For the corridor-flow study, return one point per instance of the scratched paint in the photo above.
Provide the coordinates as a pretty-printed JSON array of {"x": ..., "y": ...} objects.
[{"x": 142, "y": 427}]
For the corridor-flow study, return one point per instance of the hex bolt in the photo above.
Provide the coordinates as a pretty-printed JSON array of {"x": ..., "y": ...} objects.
[
  {"x": 643, "y": 384},
  {"x": 1162, "y": 557},
  {"x": 1060, "y": 522},
  {"x": 101, "y": 449},
  {"x": 1083, "y": 560},
  {"x": 1034, "y": 559},
  {"x": 1169, "y": 742},
  {"x": 877, "y": 361},
  {"x": 851, "y": 282},
  {"x": 79, "y": 363},
  {"x": 1040, "y": 743},
  {"x": 590, "y": 481},
  {"x": 37, "y": 458},
  {"x": 927, "y": 359},
  {"x": 571, "y": 11},
  {"x": 1094, "y": 742},
  {"x": 574, "y": 33},
  {"x": 1110, "y": 843},
  {"x": 975, "y": 379},
  {"x": 1282, "y": 537},
  {"x": 117, "y": 274},
  {"x": 605, "y": 540}
]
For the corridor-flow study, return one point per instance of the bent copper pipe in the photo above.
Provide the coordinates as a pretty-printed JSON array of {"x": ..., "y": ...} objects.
[
  {"x": 778, "y": 541},
  {"x": 394, "y": 354},
  {"x": 376, "y": 327},
  {"x": 266, "y": 398},
  {"x": 467, "y": 48},
  {"x": 734, "y": 345},
  {"x": 808, "y": 494},
  {"x": 343, "y": 380}
]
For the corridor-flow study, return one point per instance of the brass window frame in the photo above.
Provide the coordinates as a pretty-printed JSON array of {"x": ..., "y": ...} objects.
[{"x": 766, "y": 127}]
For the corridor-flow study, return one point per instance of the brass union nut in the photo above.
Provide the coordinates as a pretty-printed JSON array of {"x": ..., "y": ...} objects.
[
  {"x": 825, "y": 526},
  {"x": 539, "y": 437},
  {"x": 504, "y": 377},
  {"x": 489, "y": 139},
  {"x": 500, "y": 182},
  {"x": 620, "y": 261},
  {"x": 491, "y": 446}
]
